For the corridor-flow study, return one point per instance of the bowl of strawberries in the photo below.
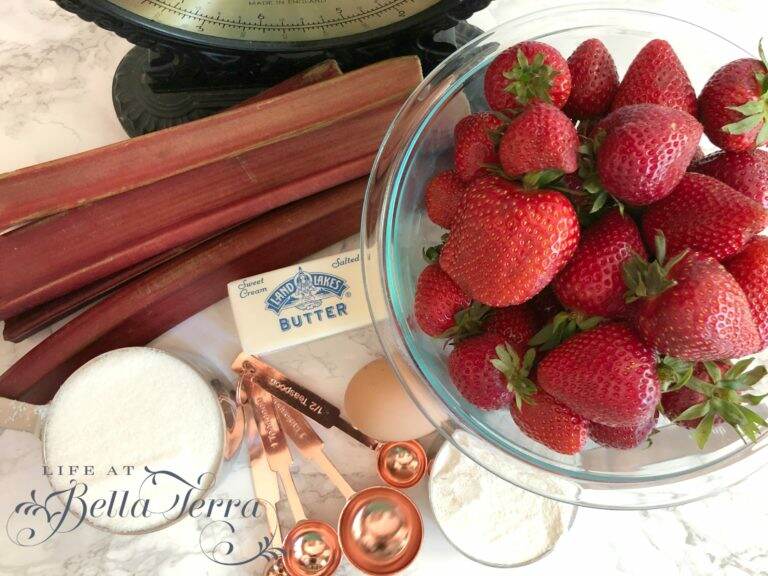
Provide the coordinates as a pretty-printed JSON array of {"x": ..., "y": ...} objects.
[{"x": 564, "y": 254}]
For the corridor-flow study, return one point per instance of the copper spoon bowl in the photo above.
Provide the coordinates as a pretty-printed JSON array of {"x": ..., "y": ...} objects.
[
  {"x": 381, "y": 530},
  {"x": 311, "y": 547},
  {"x": 401, "y": 464}
]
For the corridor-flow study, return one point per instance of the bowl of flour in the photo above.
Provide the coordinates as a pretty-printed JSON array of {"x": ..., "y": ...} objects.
[{"x": 488, "y": 519}]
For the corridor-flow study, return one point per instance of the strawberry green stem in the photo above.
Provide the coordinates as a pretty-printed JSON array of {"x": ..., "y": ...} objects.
[
  {"x": 726, "y": 395},
  {"x": 468, "y": 322},
  {"x": 530, "y": 80},
  {"x": 550, "y": 179},
  {"x": 516, "y": 371},
  {"x": 648, "y": 279},
  {"x": 591, "y": 184},
  {"x": 432, "y": 253},
  {"x": 563, "y": 326}
]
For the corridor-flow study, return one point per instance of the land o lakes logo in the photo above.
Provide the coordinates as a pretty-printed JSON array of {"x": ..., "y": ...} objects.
[{"x": 307, "y": 292}]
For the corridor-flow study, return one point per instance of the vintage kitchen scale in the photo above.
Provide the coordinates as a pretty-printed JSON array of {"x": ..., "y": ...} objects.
[{"x": 194, "y": 57}]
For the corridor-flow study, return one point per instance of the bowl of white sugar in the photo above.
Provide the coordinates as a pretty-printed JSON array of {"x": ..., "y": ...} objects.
[
  {"x": 488, "y": 519},
  {"x": 130, "y": 435}
]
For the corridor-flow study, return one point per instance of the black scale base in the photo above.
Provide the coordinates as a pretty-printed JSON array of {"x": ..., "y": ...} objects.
[{"x": 155, "y": 89}]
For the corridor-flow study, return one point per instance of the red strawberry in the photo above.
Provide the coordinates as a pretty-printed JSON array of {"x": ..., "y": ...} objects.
[
  {"x": 690, "y": 307},
  {"x": 592, "y": 281},
  {"x": 705, "y": 215},
  {"x": 527, "y": 72},
  {"x": 547, "y": 421},
  {"x": 656, "y": 76},
  {"x": 489, "y": 372},
  {"x": 539, "y": 138},
  {"x": 607, "y": 375},
  {"x": 594, "y": 80},
  {"x": 750, "y": 269},
  {"x": 733, "y": 106},
  {"x": 645, "y": 151},
  {"x": 442, "y": 197},
  {"x": 474, "y": 140},
  {"x": 508, "y": 243},
  {"x": 623, "y": 437},
  {"x": 713, "y": 392},
  {"x": 517, "y": 324},
  {"x": 438, "y": 300},
  {"x": 746, "y": 172}
]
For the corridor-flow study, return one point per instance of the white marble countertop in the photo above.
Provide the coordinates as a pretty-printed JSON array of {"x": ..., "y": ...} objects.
[{"x": 55, "y": 78}]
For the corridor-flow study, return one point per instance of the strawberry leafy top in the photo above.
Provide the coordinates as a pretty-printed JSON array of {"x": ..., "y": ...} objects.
[
  {"x": 647, "y": 279},
  {"x": 591, "y": 187},
  {"x": 563, "y": 326},
  {"x": 467, "y": 322},
  {"x": 432, "y": 253},
  {"x": 516, "y": 371},
  {"x": 530, "y": 80},
  {"x": 726, "y": 395}
]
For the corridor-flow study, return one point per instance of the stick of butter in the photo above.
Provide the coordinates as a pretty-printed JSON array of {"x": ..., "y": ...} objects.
[{"x": 299, "y": 303}]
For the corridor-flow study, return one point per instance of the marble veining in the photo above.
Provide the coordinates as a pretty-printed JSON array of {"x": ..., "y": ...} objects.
[{"x": 54, "y": 100}]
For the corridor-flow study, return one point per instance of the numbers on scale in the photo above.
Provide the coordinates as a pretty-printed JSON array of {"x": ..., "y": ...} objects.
[{"x": 274, "y": 19}]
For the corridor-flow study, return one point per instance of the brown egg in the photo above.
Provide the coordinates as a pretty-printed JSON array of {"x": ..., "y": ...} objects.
[{"x": 377, "y": 404}]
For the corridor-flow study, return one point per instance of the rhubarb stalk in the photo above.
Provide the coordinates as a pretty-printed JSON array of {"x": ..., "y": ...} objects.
[
  {"x": 51, "y": 187},
  {"x": 24, "y": 325},
  {"x": 49, "y": 258},
  {"x": 325, "y": 70},
  {"x": 148, "y": 306}
]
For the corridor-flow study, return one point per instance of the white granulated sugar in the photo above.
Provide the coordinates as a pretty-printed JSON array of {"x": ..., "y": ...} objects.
[
  {"x": 488, "y": 518},
  {"x": 133, "y": 407}
]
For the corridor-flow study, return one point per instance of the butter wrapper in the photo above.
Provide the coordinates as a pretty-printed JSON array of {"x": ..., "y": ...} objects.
[{"x": 299, "y": 303}]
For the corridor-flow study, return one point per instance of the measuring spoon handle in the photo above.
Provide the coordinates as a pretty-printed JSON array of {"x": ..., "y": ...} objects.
[
  {"x": 310, "y": 445},
  {"x": 329, "y": 469},
  {"x": 15, "y": 415},
  {"x": 275, "y": 446},
  {"x": 296, "y": 396},
  {"x": 292, "y": 494}
]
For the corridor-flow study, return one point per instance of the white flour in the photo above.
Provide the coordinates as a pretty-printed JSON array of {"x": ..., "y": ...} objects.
[
  {"x": 488, "y": 518},
  {"x": 133, "y": 407}
]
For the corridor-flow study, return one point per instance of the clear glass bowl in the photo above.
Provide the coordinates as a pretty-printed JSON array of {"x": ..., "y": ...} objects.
[{"x": 395, "y": 229}]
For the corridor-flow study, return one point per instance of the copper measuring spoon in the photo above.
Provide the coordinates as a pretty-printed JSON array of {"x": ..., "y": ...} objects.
[
  {"x": 311, "y": 547},
  {"x": 401, "y": 464},
  {"x": 381, "y": 528},
  {"x": 264, "y": 478}
]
